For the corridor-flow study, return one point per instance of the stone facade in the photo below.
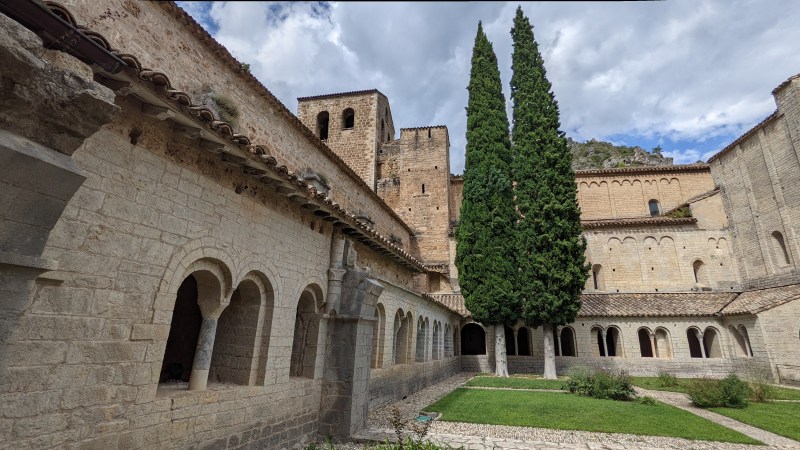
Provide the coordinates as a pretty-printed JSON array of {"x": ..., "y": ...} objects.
[{"x": 171, "y": 279}]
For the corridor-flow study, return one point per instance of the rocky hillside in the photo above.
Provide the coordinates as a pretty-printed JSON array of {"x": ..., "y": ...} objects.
[{"x": 594, "y": 154}]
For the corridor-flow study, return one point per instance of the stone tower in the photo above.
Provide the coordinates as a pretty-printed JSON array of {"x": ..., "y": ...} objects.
[
  {"x": 413, "y": 178},
  {"x": 352, "y": 124}
]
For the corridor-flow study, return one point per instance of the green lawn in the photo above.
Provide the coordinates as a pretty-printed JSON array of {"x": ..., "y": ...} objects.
[
  {"x": 779, "y": 418},
  {"x": 516, "y": 382},
  {"x": 781, "y": 393},
  {"x": 571, "y": 412}
]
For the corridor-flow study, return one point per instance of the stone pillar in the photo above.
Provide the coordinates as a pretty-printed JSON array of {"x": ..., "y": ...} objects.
[
  {"x": 202, "y": 355},
  {"x": 702, "y": 344},
  {"x": 653, "y": 348},
  {"x": 605, "y": 342},
  {"x": 344, "y": 404}
]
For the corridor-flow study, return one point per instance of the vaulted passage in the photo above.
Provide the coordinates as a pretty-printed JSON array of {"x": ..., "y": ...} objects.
[
  {"x": 306, "y": 329},
  {"x": 645, "y": 345},
  {"x": 567, "y": 342},
  {"x": 473, "y": 340},
  {"x": 695, "y": 350},
  {"x": 183, "y": 333}
]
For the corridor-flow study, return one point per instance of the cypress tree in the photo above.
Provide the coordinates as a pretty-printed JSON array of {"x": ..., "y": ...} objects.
[
  {"x": 485, "y": 234},
  {"x": 549, "y": 244}
]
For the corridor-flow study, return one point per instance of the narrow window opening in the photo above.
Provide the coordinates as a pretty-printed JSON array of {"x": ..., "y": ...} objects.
[
  {"x": 781, "y": 253},
  {"x": 654, "y": 208},
  {"x": 322, "y": 125},
  {"x": 348, "y": 119},
  {"x": 423, "y": 188},
  {"x": 429, "y": 133}
]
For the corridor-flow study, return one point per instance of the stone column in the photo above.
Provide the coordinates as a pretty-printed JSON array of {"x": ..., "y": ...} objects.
[
  {"x": 605, "y": 342},
  {"x": 344, "y": 404},
  {"x": 653, "y": 348},
  {"x": 516, "y": 342},
  {"x": 702, "y": 345},
  {"x": 202, "y": 354}
]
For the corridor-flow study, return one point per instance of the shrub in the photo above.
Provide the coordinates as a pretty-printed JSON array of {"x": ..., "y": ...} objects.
[
  {"x": 600, "y": 384},
  {"x": 646, "y": 400},
  {"x": 666, "y": 379},
  {"x": 731, "y": 392},
  {"x": 759, "y": 380}
]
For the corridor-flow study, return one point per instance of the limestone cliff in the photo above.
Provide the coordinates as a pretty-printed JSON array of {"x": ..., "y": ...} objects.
[{"x": 594, "y": 154}]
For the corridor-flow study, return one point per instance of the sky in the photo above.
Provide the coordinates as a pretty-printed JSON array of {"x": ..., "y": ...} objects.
[{"x": 689, "y": 76}]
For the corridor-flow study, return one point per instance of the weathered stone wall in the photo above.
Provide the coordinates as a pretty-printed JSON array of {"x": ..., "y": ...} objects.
[
  {"x": 356, "y": 145},
  {"x": 660, "y": 259},
  {"x": 192, "y": 66},
  {"x": 759, "y": 177},
  {"x": 413, "y": 178},
  {"x": 781, "y": 334},
  {"x": 456, "y": 194},
  {"x": 606, "y": 194}
]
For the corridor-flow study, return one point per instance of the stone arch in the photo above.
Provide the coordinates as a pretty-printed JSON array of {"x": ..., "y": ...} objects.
[
  {"x": 323, "y": 124},
  {"x": 598, "y": 346},
  {"x": 669, "y": 270},
  {"x": 567, "y": 342},
  {"x": 448, "y": 341},
  {"x": 306, "y": 333},
  {"x": 663, "y": 344},
  {"x": 378, "y": 336},
  {"x": 348, "y": 119},
  {"x": 746, "y": 336},
  {"x": 780, "y": 249},
  {"x": 523, "y": 341},
  {"x": 473, "y": 339},
  {"x": 740, "y": 347},
  {"x": 614, "y": 342},
  {"x": 420, "y": 355},
  {"x": 711, "y": 343},
  {"x": 700, "y": 272},
  {"x": 693, "y": 338},
  {"x": 436, "y": 351},
  {"x": 645, "y": 336},
  {"x": 510, "y": 341},
  {"x": 400, "y": 344},
  {"x": 409, "y": 346},
  {"x": 243, "y": 332}
]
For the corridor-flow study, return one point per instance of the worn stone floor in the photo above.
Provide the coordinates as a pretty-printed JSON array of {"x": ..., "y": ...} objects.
[{"x": 497, "y": 437}]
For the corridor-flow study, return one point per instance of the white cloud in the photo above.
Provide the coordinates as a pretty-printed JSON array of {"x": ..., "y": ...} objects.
[{"x": 682, "y": 70}]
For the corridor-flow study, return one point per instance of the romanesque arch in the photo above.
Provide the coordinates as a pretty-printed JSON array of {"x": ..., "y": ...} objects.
[
  {"x": 598, "y": 342},
  {"x": 448, "y": 341},
  {"x": 740, "y": 347},
  {"x": 401, "y": 336},
  {"x": 645, "y": 336},
  {"x": 711, "y": 343},
  {"x": 306, "y": 333},
  {"x": 693, "y": 338},
  {"x": 523, "y": 342},
  {"x": 348, "y": 119},
  {"x": 436, "y": 351},
  {"x": 323, "y": 121},
  {"x": 378, "y": 336},
  {"x": 663, "y": 344},
  {"x": 779, "y": 249},
  {"x": 420, "y": 355},
  {"x": 510, "y": 341},
  {"x": 473, "y": 339},
  {"x": 567, "y": 342},
  {"x": 614, "y": 342}
]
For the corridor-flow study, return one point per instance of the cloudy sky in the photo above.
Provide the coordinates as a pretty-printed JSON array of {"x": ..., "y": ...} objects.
[{"x": 690, "y": 76}]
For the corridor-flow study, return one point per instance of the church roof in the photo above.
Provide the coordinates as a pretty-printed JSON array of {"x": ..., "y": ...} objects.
[
  {"x": 697, "y": 167},
  {"x": 638, "y": 222},
  {"x": 754, "y": 302},
  {"x": 656, "y": 304}
]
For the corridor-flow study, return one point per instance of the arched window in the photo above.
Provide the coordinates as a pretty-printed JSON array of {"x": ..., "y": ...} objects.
[
  {"x": 738, "y": 342},
  {"x": 183, "y": 333},
  {"x": 695, "y": 349},
  {"x": 306, "y": 330},
  {"x": 711, "y": 343},
  {"x": 510, "y": 350},
  {"x": 700, "y": 272},
  {"x": 568, "y": 342},
  {"x": 378, "y": 333},
  {"x": 613, "y": 342},
  {"x": 448, "y": 341},
  {"x": 348, "y": 119},
  {"x": 435, "y": 350},
  {"x": 401, "y": 337},
  {"x": 781, "y": 252},
  {"x": 420, "y": 340},
  {"x": 654, "y": 208},
  {"x": 597, "y": 277},
  {"x": 746, "y": 336},
  {"x": 523, "y": 342},
  {"x": 240, "y": 346},
  {"x": 663, "y": 344},
  {"x": 322, "y": 125},
  {"x": 383, "y": 126},
  {"x": 600, "y": 346},
  {"x": 645, "y": 345},
  {"x": 473, "y": 340}
]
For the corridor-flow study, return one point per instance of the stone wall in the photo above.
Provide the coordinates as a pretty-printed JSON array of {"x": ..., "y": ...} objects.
[
  {"x": 779, "y": 327},
  {"x": 758, "y": 174},
  {"x": 660, "y": 259},
  {"x": 614, "y": 193},
  {"x": 188, "y": 58},
  {"x": 413, "y": 178}
]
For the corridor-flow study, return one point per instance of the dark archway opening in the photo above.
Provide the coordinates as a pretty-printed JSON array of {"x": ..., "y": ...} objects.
[
  {"x": 510, "y": 341},
  {"x": 567, "y": 342},
  {"x": 645, "y": 347},
  {"x": 694, "y": 344},
  {"x": 183, "y": 334},
  {"x": 473, "y": 340},
  {"x": 322, "y": 125},
  {"x": 523, "y": 342}
]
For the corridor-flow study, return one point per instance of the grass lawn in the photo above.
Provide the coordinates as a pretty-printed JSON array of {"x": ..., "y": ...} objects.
[
  {"x": 652, "y": 383},
  {"x": 779, "y": 418},
  {"x": 517, "y": 382},
  {"x": 571, "y": 412}
]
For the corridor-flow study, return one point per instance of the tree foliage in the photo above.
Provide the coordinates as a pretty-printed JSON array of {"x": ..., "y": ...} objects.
[
  {"x": 548, "y": 240},
  {"x": 485, "y": 233}
]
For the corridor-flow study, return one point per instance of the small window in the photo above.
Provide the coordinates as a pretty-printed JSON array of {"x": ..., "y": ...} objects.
[
  {"x": 348, "y": 119},
  {"x": 383, "y": 126},
  {"x": 699, "y": 270},
  {"x": 322, "y": 125},
  {"x": 781, "y": 253},
  {"x": 423, "y": 188},
  {"x": 597, "y": 277},
  {"x": 654, "y": 208},
  {"x": 429, "y": 133}
]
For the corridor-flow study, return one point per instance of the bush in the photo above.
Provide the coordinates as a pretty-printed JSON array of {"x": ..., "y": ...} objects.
[
  {"x": 600, "y": 384},
  {"x": 646, "y": 400},
  {"x": 666, "y": 379},
  {"x": 730, "y": 392}
]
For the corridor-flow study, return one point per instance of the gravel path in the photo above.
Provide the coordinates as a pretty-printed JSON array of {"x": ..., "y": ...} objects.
[{"x": 485, "y": 437}]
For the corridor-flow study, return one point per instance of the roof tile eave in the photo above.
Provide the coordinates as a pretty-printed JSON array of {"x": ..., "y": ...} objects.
[{"x": 643, "y": 169}]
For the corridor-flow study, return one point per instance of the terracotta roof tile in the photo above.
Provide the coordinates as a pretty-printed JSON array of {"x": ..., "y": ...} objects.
[
  {"x": 753, "y": 302},
  {"x": 638, "y": 222},
  {"x": 656, "y": 304},
  {"x": 339, "y": 94},
  {"x": 643, "y": 169},
  {"x": 422, "y": 128}
]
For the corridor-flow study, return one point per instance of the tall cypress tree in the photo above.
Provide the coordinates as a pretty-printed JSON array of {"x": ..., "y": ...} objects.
[
  {"x": 485, "y": 234},
  {"x": 550, "y": 247}
]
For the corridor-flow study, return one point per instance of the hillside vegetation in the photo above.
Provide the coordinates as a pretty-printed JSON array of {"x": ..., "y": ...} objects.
[{"x": 594, "y": 154}]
